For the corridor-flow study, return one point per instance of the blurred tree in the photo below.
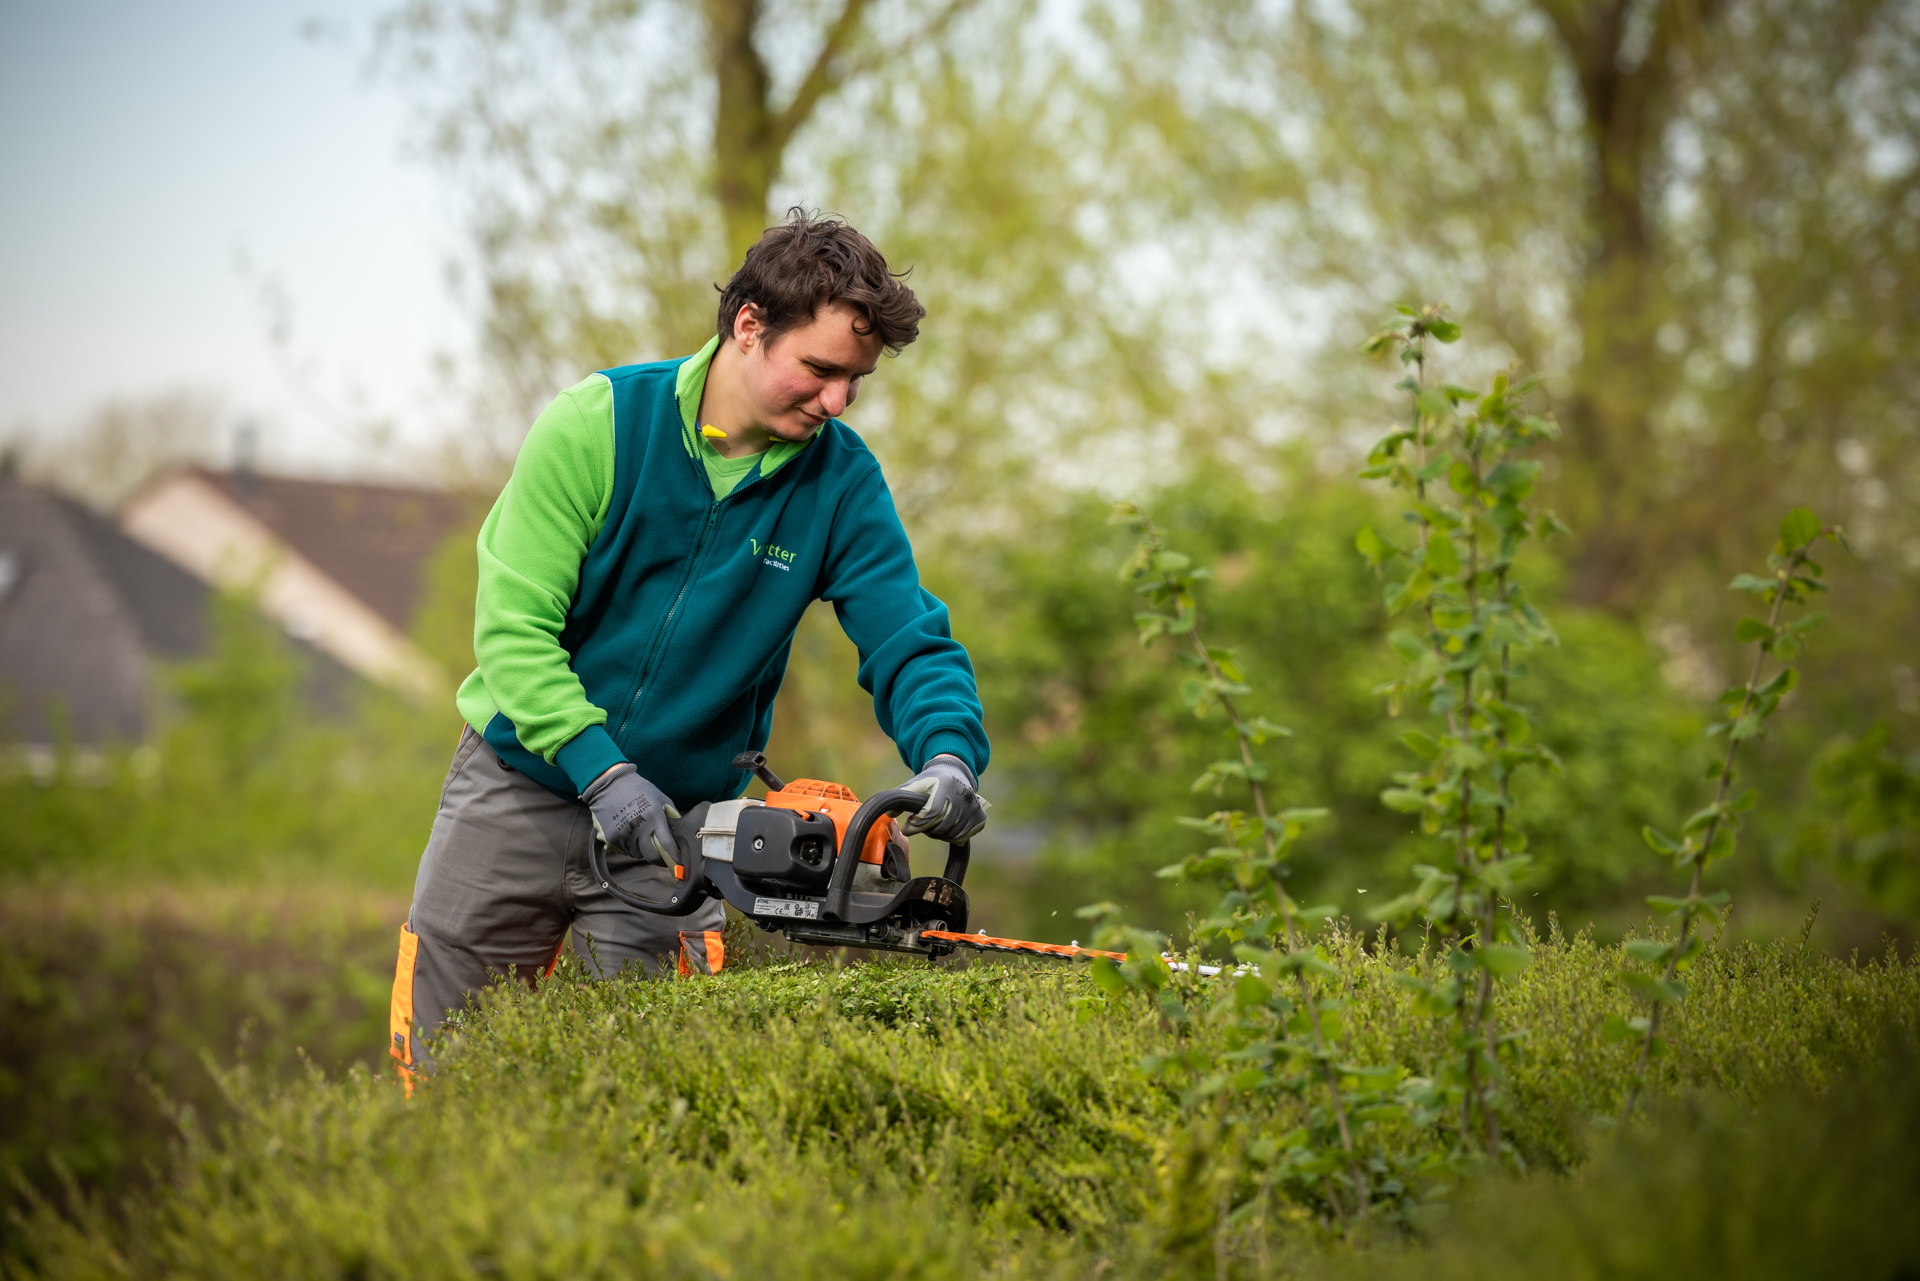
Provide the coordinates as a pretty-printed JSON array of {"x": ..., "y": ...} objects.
[
  {"x": 443, "y": 621},
  {"x": 244, "y": 780},
  {"x": 752, "y": 129},
  {"x": 1701, "y": 216},
  {"x": 597, "y": 142},
  {"x": 602, "y": 164}
]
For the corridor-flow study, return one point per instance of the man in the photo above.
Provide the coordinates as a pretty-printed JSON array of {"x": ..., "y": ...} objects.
[{"x": 641, "y": 577}]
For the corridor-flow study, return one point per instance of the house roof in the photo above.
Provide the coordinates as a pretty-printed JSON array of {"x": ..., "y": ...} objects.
[
  {"x": 86, "y": 613},
  {"x": 374, "y": 540},
  {"x": 83, "y": 610},
  {"x": 68, "y": 642},
  {"x": 167, "y": 605}
]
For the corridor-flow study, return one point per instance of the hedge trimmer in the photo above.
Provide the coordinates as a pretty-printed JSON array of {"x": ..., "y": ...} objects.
[{"x": 816, "y": 863}]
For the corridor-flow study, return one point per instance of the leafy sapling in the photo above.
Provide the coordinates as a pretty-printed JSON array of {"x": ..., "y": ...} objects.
[
  {"x": 1281, "y": 1029},
  {"x": 1459, "y": 458},
  {"x": 1709, "y": 835}
]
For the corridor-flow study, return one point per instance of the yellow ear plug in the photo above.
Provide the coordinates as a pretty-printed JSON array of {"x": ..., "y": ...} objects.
[{"x": 713, "y": 433}]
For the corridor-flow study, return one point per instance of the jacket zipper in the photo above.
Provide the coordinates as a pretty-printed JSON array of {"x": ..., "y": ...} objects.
[
  {"x": 666, "y": 624},
  {"x": 693, "y": 565}
]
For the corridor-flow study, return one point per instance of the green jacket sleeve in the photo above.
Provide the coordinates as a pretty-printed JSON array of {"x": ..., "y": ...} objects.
[
  {"x": 924, "y": 695},
  {"x": 530, "y": 549}
]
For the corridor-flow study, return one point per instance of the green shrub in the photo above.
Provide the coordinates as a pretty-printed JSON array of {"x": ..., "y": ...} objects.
[
  {"x": 1810, "y": 1186},
  {"x": 245, "y": 779},
  {"x": 111, "y": 1001},
  {"x": 1871, "y": 830},
  {"x": 1094, "y": 752},
  {"x": 880, "y": 1120}
]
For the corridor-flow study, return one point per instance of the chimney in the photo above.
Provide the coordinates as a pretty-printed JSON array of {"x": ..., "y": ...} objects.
[{"x": 246, "y": 452}]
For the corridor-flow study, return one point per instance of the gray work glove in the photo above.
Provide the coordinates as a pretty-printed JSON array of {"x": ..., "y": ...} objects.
[
  {"x": 954, "y": 812},
  {"x": 630, "y": 815}
]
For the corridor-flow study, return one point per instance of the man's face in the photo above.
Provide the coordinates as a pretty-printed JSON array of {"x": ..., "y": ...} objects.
[{"x": 806, "y": 375}]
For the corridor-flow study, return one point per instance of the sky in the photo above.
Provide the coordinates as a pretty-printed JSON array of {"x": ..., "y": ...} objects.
[{"x": 159, "y": 165}]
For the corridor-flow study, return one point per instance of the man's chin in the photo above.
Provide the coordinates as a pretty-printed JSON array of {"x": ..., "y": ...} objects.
[{"x": 798, "y": 431}]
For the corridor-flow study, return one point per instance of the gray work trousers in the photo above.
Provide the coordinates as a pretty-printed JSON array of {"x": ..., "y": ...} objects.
[{"x": 503, "y": 878}]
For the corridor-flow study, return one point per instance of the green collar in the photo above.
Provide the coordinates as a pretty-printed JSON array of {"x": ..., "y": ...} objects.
[{"x": 690, "y": 383}]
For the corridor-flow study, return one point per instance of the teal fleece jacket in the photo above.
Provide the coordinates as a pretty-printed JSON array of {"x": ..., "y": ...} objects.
[{"x": 628, "y": 613}]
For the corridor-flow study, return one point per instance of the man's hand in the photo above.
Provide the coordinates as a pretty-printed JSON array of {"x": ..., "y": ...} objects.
[
  {"x": 630, "y": 814},
  {"x": 954, "y": 812}
]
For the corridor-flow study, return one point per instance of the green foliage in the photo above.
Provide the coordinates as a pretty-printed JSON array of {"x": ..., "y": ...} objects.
[
  {"x": 884, "y": 1120},
  {"x": 1094, "y": 748},
  {"x": 110, "y": 998},
  {"x": 247, "y": 777},
  {"x": 1459, "y": 459},
  {"x": 1718, "y": 275},
  {"x": 1710, "y": 832},
  {"x": 1871, "y": 829},
  {"x": 1279, "y": 1027},
  {"x": 1808, "y": 1186}
]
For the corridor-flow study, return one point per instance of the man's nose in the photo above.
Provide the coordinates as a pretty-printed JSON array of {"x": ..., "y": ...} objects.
[{"x": 835, "y": 397}]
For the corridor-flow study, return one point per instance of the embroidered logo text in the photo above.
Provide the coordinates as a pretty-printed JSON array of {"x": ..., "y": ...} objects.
[{"x": 778, "y": 557}]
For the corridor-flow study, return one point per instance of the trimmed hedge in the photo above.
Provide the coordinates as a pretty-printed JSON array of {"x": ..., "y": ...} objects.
[
  {"x": 112, "y": 1001},
  {"x": 881, "y": 1120}
]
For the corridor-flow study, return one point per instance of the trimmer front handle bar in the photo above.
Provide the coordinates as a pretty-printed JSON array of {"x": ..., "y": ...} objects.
[{"x": 881, "y": 804}]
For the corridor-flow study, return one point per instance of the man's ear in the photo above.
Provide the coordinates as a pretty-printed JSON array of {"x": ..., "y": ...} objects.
[{"x": 749, "y": 326}]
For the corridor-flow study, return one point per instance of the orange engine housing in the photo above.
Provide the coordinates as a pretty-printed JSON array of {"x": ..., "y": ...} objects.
[{"x": 837, "y": 802}]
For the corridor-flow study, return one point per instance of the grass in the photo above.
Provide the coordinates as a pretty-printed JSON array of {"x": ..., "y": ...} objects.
[{"x": 892, "y": 1119}]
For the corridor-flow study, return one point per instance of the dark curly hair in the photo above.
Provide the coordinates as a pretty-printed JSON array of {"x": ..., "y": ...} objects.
[{"x": 810, "y": 262}]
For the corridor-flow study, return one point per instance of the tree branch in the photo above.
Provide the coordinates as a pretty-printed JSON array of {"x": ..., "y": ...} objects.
[
  {"x": 828, "y": 73},
  {"x": 823, "y": 77}
]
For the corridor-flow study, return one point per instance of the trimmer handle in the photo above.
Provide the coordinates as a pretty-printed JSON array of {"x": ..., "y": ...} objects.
[
  {"x": 881, "y": 804},
  {"x": 689, "y": 893}
]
